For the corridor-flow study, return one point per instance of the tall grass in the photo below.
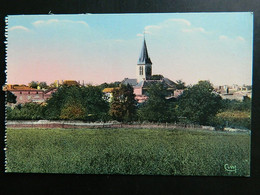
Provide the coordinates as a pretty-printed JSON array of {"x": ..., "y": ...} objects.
[{"x": 127, "y": 151}]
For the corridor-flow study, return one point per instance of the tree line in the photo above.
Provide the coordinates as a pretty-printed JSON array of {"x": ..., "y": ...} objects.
[{"x": 198, "y": 104}]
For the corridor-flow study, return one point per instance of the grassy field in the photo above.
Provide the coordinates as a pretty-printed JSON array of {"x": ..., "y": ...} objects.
[{"x": 128, "y": 151}]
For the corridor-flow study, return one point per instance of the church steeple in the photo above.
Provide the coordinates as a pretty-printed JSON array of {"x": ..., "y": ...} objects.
[
  {"x": 144, "y": 57},
  {"x": 144, "y": 65}
]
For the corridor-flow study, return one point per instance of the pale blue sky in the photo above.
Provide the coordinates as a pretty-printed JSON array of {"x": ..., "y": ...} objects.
[{"x": 101, "y": 48}]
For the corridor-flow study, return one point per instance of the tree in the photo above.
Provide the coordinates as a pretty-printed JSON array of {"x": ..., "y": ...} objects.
[
  {"x": 73, "y": 110},
  {"x": 123, "y": 104},
  {"x": 96, "y": 106},
  {"x": 236, "y": 105},
  {"x": 156, "y": 108},
  {"x": 90, "y": 98},
  {"x": 43, "y": 85},
  {"x": 156, "y": 77},
  {"x": 11, "y": 98},
  {"x": 28, "y": 111},
  {"x": 33, "y": 84},
  {"x": 199, "y": 103},
  {"x": 180, "y": 84}
]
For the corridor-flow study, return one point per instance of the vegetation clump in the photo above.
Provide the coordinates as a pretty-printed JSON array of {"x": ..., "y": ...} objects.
[
  {"x": 199, "y": 103},
  {"x": 78, "y": 103},
  {"x": 123, "y": 105},
  {"x": 157, "y": 108}
]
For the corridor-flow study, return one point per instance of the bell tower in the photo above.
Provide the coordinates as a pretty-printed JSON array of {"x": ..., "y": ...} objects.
[{"x": 144, "y": 65}]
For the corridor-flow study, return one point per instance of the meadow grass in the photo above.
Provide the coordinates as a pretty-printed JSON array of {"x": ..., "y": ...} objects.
[{"x": 127, "y": 151}]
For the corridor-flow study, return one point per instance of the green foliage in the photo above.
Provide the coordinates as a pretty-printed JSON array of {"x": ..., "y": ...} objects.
[
  {"x": 199, "y": 103},
  {"x": 156, "y": 77},
  {"x": 233, "y": 119},
  {"x": 123, "y": 104},
  {"x": 93, "y": 102},
  {"x": 236, "y": 105},
  {"x": 88, "y": 99},
  {"x": 33, "y": 84},
  {"x": 11, "y": 98},
  {"x": 43, "y": 85},
  {"x": 53, "y": 85},
  {"x": 28, "y": 111},
  {"x": 156, "y": 108},
  {"x": 127, "y": 151},
  {"x": 72, "y": 110},
  {"x": 109, "y": 85},
  {"x": 234, "y": 114},
  {"x": 180, "y": 84}
]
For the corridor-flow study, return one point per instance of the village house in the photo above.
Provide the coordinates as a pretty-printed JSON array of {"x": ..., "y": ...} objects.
[
  {"x": 234, "y": 92},
  {"x": 108, "y": 93},
  {"x": 25, "y": 94}
]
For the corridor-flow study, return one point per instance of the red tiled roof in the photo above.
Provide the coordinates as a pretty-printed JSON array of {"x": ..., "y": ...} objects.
[
  {"x": 109, "y": 90},
  {"x": 18, "y": 88},
  {"x": 70, "y": 82}
]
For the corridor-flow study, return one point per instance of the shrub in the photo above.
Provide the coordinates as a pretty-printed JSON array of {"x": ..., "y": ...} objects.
[
  {"x": 84, "y": 102},
  {"x": 236, "y": 105},
  {"x": 72, "y": 111},
  {"x": 233, "y": 119},
  {"x": 123, "y": 105},
  {"x": 11, "y": 98},
  {"x": 157, "y": 108},
  {"x": 28, "y": 111}
]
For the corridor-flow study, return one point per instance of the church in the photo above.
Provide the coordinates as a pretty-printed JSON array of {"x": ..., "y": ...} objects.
[{"x": 144, "y": 78}]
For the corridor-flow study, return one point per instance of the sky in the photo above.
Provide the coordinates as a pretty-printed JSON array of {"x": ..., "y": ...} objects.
[{"x": 100, "y": 48}]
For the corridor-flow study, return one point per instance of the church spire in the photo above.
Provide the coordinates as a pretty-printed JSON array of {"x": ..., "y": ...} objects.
[
  {"x": 144, "y": 57},
  {"x": 144, "y": 65}
]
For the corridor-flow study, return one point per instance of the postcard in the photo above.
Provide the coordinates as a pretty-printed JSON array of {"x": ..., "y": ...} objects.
[{"x": 129, "y": 94}]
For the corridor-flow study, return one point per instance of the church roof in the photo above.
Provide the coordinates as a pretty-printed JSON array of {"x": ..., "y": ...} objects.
[
  {"x": 169, "y": 82},
  {"x": 144, "y": 57},
  {"x": 131, "y": 82},
  {"x": 166, "y": 82}
]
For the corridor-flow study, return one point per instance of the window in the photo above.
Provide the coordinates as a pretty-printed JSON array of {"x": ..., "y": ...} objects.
[{"x": 141, "y": 70}]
